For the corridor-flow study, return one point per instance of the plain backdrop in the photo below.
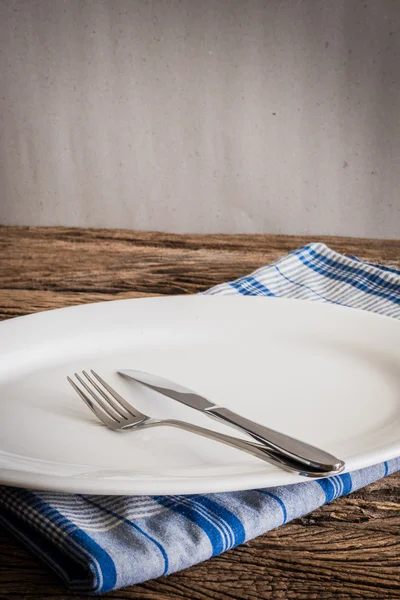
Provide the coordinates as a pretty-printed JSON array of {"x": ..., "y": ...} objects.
[{"x": 276, "y": 116}]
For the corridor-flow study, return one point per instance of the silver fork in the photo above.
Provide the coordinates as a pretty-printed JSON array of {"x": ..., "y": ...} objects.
[{"x": 118, "y": 414}]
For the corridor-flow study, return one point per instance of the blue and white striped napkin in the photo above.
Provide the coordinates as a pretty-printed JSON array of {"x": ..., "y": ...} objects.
[{"x": 100, "y": 543}]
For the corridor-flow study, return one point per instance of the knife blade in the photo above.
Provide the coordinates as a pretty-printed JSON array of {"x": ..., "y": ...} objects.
[{"x": 169, "y": 388}]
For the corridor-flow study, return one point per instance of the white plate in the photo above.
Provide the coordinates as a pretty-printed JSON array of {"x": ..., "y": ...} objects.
[{"x": 326, "y": 374}]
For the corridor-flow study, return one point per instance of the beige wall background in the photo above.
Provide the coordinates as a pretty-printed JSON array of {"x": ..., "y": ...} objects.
[{"x": 274, "y": 116}]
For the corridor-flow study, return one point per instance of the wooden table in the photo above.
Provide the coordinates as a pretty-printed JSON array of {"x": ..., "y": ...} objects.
[{"x": 347, "y": 549}]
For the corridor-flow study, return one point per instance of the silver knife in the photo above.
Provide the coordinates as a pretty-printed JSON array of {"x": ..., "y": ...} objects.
[{"x": 284, "y": 445}]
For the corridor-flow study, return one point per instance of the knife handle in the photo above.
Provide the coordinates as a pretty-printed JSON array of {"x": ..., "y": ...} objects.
[{"x": 278, "y": 442}]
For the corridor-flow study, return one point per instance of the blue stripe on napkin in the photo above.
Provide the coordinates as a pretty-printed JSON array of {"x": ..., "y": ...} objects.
[{"x": 99, "y": 543}]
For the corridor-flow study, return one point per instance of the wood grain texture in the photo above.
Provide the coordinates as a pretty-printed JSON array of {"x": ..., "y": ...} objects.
[{"x": 349, "y": 549}]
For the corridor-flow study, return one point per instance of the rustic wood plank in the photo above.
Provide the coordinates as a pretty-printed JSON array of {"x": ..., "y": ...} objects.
[
  {"x": 16, "y": 302},
  {"x": 349, "y": 549},
  {"x": 109, "y": 261}
]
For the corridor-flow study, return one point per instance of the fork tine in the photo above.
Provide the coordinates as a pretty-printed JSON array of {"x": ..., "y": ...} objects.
[
  {"x": 112, "y": 423},
  {"x": 98, "y": 400},
  {"x": 133, "y": 411},
  {"x": 109, "y": 400}
]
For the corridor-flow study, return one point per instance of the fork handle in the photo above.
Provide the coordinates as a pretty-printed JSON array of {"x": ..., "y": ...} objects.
[
  {"x": 258, "y": 450},
  {"x": 284, "y": 445}
]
